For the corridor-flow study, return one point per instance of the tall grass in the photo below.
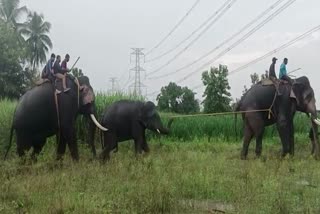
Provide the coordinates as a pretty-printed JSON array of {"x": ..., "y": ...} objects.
[
  {"x": 182, "y": 129},
  {"x": 7, "y": 108}
]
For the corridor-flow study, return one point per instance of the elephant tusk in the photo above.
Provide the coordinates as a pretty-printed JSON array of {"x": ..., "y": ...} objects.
[
  {"x": 316, "y": 122},
  {"x": 97, "y": 123},
  {"x": 158, "y": 131}
]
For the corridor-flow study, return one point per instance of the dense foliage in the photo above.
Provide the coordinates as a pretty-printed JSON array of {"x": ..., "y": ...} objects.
[
  {"x": 177, "y": 99},
  {"x": 24, "y": 46},
  {"x": 217, "y": 97}
]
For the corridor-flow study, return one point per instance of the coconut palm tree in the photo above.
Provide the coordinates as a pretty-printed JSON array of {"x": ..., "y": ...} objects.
[
  {"x": 10, "y": 12},
  {"x": 36, "y": 32}
]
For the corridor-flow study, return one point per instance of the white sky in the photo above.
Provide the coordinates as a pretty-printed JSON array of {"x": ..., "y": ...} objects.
[{"x": 102, "y": 32}]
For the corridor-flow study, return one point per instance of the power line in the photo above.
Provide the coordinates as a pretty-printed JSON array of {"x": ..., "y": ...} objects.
[
  {"x": 174, "y": 28},
  {"x": 125, "y": 85},
  {"x": 219, "y": 13},
  {"x": 291, "y": 42},
  {"x": 270, "y": 53},
  {"x": 222, "y": 43},
  {"x": 243, "y": 38},
  {"x": 188, "y": 37}
]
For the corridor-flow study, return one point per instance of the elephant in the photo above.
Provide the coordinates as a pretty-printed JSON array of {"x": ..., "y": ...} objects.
[
  {"x": 283, "y": 103},
  {"x": 40, "y": 114},
  {"x": 128, "y": 120}
]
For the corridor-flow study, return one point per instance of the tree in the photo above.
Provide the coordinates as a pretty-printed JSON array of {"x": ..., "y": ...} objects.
[
  {"x": 10, "y": 13},
  {"x": 38, "y": 42},
  {"x": 12, "y": 76},
  {"x": 174, "y": 98},
  {"x": 77, "y": 72},
  {"x": 217, "y": 95},
  {"x": 255, "y": 79}
]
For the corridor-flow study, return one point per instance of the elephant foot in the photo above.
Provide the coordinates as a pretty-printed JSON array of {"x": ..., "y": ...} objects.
[
  {"x": 243, "y": 157},
  {"x": 285, "y": 156},
  {"x": 59, "y": 157},
  {"x": 316, "y": 156},
  {"x": 257, "y": 156},
  {"x": 104, "y": 157}
]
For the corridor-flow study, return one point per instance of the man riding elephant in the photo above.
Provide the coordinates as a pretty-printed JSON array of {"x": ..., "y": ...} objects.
[
  {"x": 297, "y": 96},
  {"x": 40, "y": 114}
]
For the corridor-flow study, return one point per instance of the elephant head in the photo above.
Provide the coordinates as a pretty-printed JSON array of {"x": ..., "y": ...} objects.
[
  {"x": 150, "y": 118},
  {"x": 304, "y": 96},
  {"x": 306, "y": 102},
  {"x": 87, "y": 101}
]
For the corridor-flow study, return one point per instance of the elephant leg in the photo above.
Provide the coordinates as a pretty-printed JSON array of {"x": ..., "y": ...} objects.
[
  {"x": 139, "y": 137},
  {"x": 248, "y": 134},
  {"x": 138, "y": 142},
  {"x": 72, "y": 144},
  {"x": 62, "y": 144},
  {"x": 256, "y": 124},
  {"x": 291, "y": 142},
  {"x": 145, "y": 146},
  {"x": 283, "y": 129},
  {"x": 259, "y": 137},
  {"x": 110, "y": 142},
  {"x": 37, "y": 148},
  {"x": 23, "y": 144}
]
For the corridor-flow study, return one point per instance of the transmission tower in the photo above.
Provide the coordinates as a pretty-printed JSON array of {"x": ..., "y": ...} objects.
[
  {"x": 137, "y": 85},
  {"x": 113, "y": 84}
]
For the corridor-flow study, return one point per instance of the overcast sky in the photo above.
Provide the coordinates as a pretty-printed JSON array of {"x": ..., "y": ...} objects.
[{"x": 102, "y": 32}]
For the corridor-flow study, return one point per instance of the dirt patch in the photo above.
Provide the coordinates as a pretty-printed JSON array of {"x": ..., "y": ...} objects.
[{"x": 208, "y": 206}]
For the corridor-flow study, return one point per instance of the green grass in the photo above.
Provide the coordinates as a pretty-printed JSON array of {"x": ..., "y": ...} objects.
[
  {"x": 195, "y": 177},
  {"x": 197, "y": 169},
  {"x": 183, "y": 129}
]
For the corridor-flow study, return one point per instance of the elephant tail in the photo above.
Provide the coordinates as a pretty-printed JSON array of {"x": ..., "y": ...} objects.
[{"x": 10, "y": 143}]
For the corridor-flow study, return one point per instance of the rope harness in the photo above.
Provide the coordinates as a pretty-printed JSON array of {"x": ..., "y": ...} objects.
[
  {"x": 224, "y": 113},
  {"x": 269, "y": 110},
  {"x": 76, "y": 81}
]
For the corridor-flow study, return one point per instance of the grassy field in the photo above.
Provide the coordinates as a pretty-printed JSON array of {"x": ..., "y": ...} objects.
[
  {"x": 195, "y": 170},
  {"x": 194, "y": 177}
]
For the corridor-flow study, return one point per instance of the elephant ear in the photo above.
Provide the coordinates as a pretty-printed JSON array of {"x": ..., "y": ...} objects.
[
  {"x": 296, "y": 91},
  {"x": 147, "y": 112},
  {"x": 300, "y": 91}
]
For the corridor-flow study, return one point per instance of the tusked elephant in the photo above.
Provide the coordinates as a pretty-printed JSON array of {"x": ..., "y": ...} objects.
[
  {"x": 295, "y": 96},
  {"x": 128, "y": 120},
  {"x": 36, "y": 117}
]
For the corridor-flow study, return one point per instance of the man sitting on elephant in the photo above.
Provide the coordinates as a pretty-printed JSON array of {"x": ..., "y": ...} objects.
[
  {"x": 272, "y": 74},
  {"x": 60, "y": 73},
  {"x": 283, "y": 75}
]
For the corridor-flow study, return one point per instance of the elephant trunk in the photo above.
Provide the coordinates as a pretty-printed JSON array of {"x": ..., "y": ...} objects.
[
  {"x": 163, "y": 130},
  {"x": 315, "y": 122},
  {"x": 311, "y": 108},
  {"x": 91, "y": 135}
]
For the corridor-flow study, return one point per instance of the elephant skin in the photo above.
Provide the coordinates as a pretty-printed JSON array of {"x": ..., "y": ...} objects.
[
  {"x": 298, "y": 96},
  {"x": 36, "y": 118},
  {"x": 128, "y": 120}
]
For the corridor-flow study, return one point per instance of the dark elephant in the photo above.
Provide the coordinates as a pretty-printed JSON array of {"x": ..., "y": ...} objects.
[
  {"x": 36, "y": 117},
  {"x": 296, "y": 96},
  {"x": 128, "y": 120}
]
